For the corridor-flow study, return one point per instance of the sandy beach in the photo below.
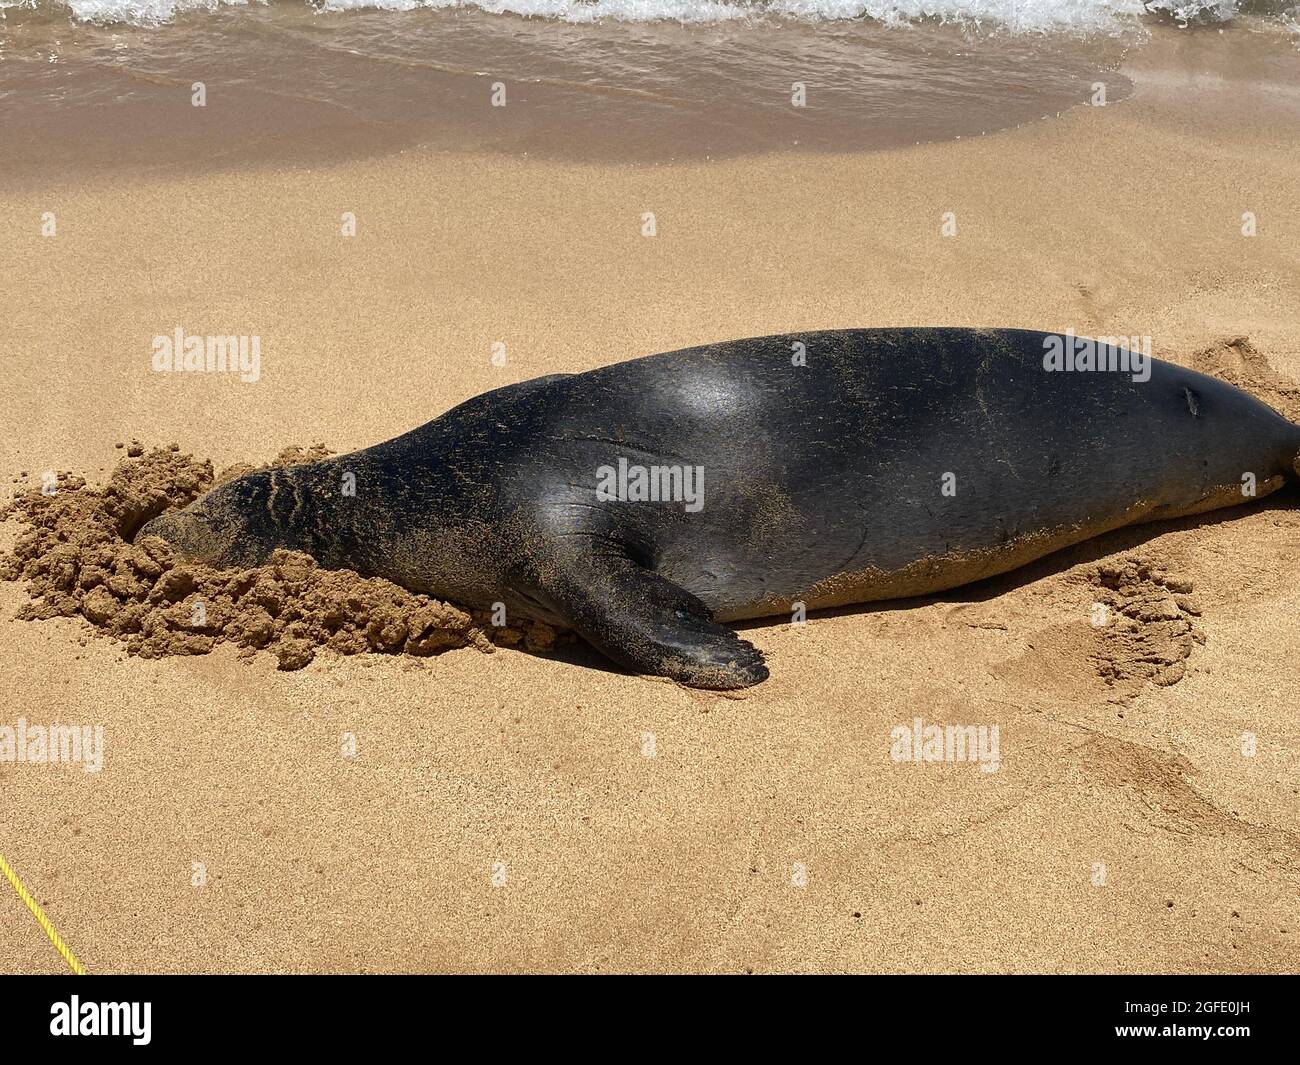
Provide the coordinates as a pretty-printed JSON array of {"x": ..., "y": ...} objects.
[{"x": 548, "y": 812}]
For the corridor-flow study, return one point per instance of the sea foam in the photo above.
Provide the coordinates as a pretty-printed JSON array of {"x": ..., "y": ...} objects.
[{"x": 1017, "y": 16}]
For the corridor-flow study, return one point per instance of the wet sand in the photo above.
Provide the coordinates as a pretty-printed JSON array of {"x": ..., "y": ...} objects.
[
  {"x": 284, "y": 85},
  {"x": 508, "y": 811}
]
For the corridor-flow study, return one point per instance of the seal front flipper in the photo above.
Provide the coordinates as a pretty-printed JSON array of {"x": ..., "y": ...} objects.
[{"x": 648, "y": 624}]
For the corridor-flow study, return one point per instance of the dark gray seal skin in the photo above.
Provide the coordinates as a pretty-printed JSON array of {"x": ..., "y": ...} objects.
[{"x": 823, "y": 484}]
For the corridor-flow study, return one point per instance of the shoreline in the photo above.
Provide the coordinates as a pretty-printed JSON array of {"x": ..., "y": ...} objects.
[
  {"x": 1166, "y": 62},
  {"x": 280, "y": 88}
]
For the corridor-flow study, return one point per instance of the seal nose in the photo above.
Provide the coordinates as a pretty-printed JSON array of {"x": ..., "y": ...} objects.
[
  {"x": 197, "y": 534},
  {"x": 153, "y": 527},
  {"x": 160, "y": 526},
  {"x": 177, "y": 527}
]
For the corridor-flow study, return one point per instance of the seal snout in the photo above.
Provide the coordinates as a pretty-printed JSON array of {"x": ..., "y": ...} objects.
[
  {"x": 199, "y": 534},
  {"x": 226, "y": 528},
  {"x": 182, "y": 529}
]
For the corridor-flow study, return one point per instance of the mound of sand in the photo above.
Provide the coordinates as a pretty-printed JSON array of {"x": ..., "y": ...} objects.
[
  {"x": 1152, "y": 629},
  {"x": 77, "y": 555}
]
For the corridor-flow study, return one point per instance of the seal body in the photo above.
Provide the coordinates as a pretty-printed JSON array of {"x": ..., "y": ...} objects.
[{"x": 646, "y": 503}]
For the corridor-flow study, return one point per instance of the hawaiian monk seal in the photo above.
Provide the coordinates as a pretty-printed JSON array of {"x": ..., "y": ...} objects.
[{"x": 645, "y": 503}]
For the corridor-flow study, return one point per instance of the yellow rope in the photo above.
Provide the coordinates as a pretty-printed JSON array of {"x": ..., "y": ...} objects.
[{"x": 41, "y": 919}]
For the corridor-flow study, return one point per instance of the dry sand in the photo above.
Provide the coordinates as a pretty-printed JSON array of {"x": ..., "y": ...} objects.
[{"x": 511, "y": 811}]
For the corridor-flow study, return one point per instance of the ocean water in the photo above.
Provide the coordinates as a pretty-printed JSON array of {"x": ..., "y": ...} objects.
[
  {"x": 1022, "y": 16},
  {"x": 111, "y": 84}
]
